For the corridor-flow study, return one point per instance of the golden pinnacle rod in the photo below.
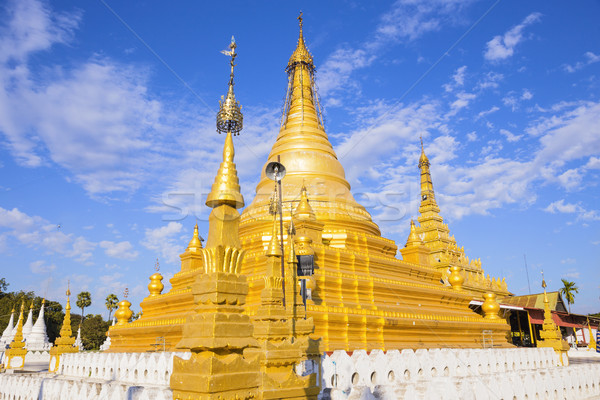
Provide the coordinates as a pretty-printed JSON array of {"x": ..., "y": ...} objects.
[{"x": 280, "y": 207}]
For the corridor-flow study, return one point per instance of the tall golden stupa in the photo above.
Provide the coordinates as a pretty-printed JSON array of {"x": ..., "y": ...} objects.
[{"x": 361, "y": 295}]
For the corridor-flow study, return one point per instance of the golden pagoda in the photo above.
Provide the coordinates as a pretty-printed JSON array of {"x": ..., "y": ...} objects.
[
  {"x": 550, "y": 335},
  {"x": 444, "y": 252},
  {"x": 361, "y": 295},
  {"x": 65, "y": 342},
  {"x": 15, "y": 354}
]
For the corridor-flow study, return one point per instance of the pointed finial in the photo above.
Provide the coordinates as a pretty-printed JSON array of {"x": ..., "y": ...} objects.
[
  {"x": 157, "y": 265},
  {"x": 301, "y": 54},
  {"x": 68, "y": 288},
  {"x": 229, "y": 117},
  {"x": 423, "y": 160},
  {"x": 543, "y": 281},
  {"x": 195, "y": 244},
  {"x": 304, "y": 211},
  {"x": 413, "y": 238},
  {"x": 31, "y": 306},
  {"x": 126, "y": 292},
  {"x": 274, "y": 249}
]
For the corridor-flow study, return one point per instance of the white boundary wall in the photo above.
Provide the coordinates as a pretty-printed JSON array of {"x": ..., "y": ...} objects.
[
  {"x": 520, "y": 373},
  {"x": 467, "y": 374},
  {"x": 106, "y": 376}
]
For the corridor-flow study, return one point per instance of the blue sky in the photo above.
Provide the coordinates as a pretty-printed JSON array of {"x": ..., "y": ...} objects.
[{"x": 108, "y": 144}]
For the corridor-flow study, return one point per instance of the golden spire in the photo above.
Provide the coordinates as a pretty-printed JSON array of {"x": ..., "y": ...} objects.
[
  {"x": 304, "y": 211},
  {"x": 423, "y": 159},
  {"x": 291, "y": 233},
  {"x": 428, "y": 207},
  {"x": 274, "y": 249},
  {"x": 65, "y": 330},
  {"x": 413, "y": 238},
  {"x": 195, "y": 244},
  {"x": 226, "y": 189},
  {"x": 301, "y": 54},
  {"x": 304, "y": 148}
]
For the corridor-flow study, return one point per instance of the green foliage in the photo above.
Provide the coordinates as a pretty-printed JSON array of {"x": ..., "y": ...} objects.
[
  {"x": 111, "y": 304},
  {"x": 568, "y": 291},
  {"x": 3, "y": 286},
  {"x": 93, "y": 331},
  {"x": 84, "y": 299}
]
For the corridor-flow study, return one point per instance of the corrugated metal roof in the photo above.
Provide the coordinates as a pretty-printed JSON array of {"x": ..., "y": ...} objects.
[{"x": 536, "y": 301}]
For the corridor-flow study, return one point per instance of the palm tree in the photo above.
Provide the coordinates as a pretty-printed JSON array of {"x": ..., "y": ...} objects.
[
  {"x": 568, "y": 290},
  {"x": 111, "y": 304},
  {"x": 84, "y": 299}
]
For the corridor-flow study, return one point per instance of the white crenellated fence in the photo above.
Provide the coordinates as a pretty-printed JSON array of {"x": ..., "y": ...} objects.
[
  {"x": 530, "y": 373},
  {"x": 110, "y": 376},
  {"x": 446, "y": 374}
]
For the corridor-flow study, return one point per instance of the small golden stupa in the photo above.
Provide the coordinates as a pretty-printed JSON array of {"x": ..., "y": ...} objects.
[
  {"x": 65, "y": 342},
  {"x": 15, "y": 355},
  {"x": 361, "y": 295}
]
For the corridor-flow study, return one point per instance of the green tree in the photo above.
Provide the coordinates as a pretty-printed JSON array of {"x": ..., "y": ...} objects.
[
  {"x": 111, "y": 304},
  {"x": 3, "y": 287},
  {"x": 93, "y": 332},
  {"x": 84, "y": 299},
  {"x": 568, "y": 291}
]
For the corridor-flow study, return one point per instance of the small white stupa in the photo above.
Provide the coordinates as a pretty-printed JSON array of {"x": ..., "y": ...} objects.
[
  {"x": 8, "y": 335},
  {"x": 38, "y": 338},
  {"x": 28, "y": 325},
  {"x": 106, "y": 345},
  {"x": 78, "y": 342}
]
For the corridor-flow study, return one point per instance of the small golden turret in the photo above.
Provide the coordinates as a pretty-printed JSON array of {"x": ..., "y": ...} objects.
[
  {"x": 155, "y": 287},
  {"x": 64, "y": 343},
  {"x": 124, "y": 313},
  {"x": 455, "y": 278},
  {"x": 490, "y": 306},
  {"x": 15, "y": 355},
  {"x": 550, "y": 334},
  {"x": 196, "y": 243},
  {"x": 413, "y": 239},
  {"x": 274, "y": 249},
  {"x": 304, "y": 211}
]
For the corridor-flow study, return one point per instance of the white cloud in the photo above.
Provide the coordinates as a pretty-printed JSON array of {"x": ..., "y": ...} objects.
[
  {"x": 458, "y": 79},
  {"x": 123, "y": 250},
  {"x": 462, "y": 100},
  {"x": 35, "y": 231},
  {"x": 406, "y": 21},
  {"x": 593, "y": 163},
  {"x": 409, "y": 19},
  {"x": 165, "y": 241},
  {"x": 491, "y": 80},
  {"x": 571, "y": 273},
  {"x": 487, "y": 112},
  {"x": 40, "y": 267},
  {"x": 569, "y": 208},
  {"x": 503, "y": 46},
  {"x": 32, "y": 27},
  {"x": 590, "y": 58},
  {"x": 511, "y": 137},
  {"x": 472, "y": 136},
  {"x": 568, "y": 261},
  {"x": 527, "y": 95}
]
